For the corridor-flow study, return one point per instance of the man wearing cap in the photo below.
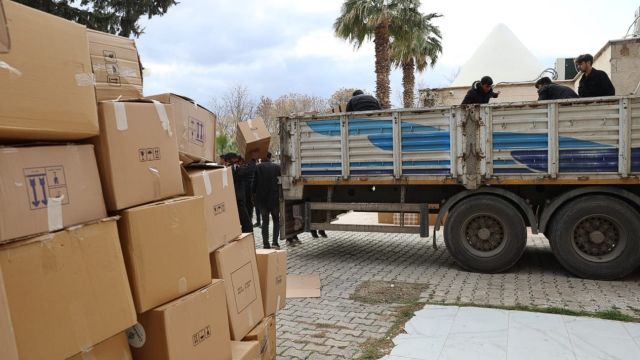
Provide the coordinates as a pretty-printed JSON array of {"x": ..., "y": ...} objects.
[
  {"x": 480, "y": 92},
  {"x": 593, "y": 82},
  {"x": 362, "y": 102},
  {"x": 547, "y": 90}
]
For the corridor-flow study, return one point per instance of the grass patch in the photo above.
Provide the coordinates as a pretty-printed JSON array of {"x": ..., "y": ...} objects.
[
  {"x": 387, "y": 292},
  {"x": 374, "y": 349}
]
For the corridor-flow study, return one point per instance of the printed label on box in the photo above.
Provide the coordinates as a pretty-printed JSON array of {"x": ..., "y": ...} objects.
[
  {"x": 109, "y": 55},
  {"x": 113, "y": 80},
  {"x": 218, "y": 209},
  {"x": 112, "y": 69},
  {"x": 149, "y": 154},
  {"x": 45, "y": 183},
  {"x": 244, "y": 287},
  {"x": 202, "y": 335},
  {"x": 196, "y": 131}
]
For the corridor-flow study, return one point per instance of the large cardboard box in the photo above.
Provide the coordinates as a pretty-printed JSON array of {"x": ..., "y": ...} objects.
[
  {"x": 252, "y": 137},
  {"x": 265, "y": 334},
  {"x": 272, "y": 269},
  {"x": 194, "y": 327},
  {"x": 235, "y": 263},
  {"x": 5, "y": 40},
  {"x": 116, "y": 66},
  {"x": 195, "y": 128},
  {"x": 8, "y": 348},
  {"x": 66, "y": 291},
  {"x": 137, "y": 153},
  {"x": 47, "y": 188},
  {"x": 114, "y": 348},
  {"x": 245, "y": 350},
  {"x": 165, "y": 250},
  {"x": 46, "y": 83},
  {"x": 220, "y": 207}
]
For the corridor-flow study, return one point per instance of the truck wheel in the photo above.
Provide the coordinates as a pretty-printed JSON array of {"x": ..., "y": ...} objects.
[
  {"x": 596, "y": 237},
  {"x": 485, "y": 234}
]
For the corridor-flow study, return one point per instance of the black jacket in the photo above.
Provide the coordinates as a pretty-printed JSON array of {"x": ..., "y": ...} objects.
[
  {"x": 363, "y": 102},
  {"x": 266, "y": 185},
  {"x": 596, "y": 84},
  {"x": 475, "y": 95},
  {"x": 555, "y": 91},
  {"x": 250, "y": 175}
]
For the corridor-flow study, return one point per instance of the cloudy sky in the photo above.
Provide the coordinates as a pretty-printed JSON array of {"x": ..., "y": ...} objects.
[{"x": 201, "y": 48}]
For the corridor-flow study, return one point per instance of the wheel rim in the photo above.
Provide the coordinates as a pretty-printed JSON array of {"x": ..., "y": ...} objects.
[
  {"x": 483, "y": 235},
  {"x": 598, "y": 238}
]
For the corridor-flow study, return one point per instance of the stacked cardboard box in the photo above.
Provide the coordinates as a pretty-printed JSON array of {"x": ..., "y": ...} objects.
[
  {"x": 253, "y": 138},
  {"x": 72, "y": 279},
  {"x": 64, "y": 289}
]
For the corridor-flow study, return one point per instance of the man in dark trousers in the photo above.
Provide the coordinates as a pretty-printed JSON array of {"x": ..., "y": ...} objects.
[
  {"x": 480, "y": 92},
  {"x": 249, "y": 194},
  {"x": 363, "y": 102},
  {"x": 267, "y": 192},
  {"x": 239, "y": 183},
  {"x": 547, "y": 90},
  {"x": 593, "y": 82}
]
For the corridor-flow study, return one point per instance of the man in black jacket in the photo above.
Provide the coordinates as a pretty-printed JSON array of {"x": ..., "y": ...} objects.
[
  {"x": 267, "y": 192},
  {"x": 547, "y": 90},
  {"x": 593, "y": 82},
  {"x": 363, "y": 102},
  {"x": 480, "y": 92},
  {"x": 239, "y": 183}
]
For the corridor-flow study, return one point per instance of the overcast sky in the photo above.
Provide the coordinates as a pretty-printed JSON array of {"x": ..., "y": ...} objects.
[{"x": 201, "y": 48}]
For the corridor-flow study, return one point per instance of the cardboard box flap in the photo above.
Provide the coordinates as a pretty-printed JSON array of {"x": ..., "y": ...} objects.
[
  {"x": 166, "y": 99},
  {"x": 5, "y": 40},
  {"x": 161, "y": 203},
  {"x": 179, "y": 302}
]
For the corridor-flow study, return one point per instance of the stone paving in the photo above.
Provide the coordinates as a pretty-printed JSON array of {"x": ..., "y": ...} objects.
[{"x": 334, "y": 327}]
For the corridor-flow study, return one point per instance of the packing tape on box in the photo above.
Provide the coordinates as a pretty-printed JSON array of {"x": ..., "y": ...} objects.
[
  {"x": 121, "y": 116},
  {"x": 10, "y": 69},
  {"x": 156, "y": 181},
  {"x": 54, "y": 213},
  {"x": 88, "y": 354},
  {"x": 250, "y": 316},
  {"x": 207, "y": 182},
  {"x": 255, "y": 134},
  {"x": 250, "y": 123},
  {"x": 278, "y": 303},
  {"x": 85, "y": 79},
  {"x": 225, "y": 179},
  {"x": 162, "y": 114},
  {"x": 182, "y": 286}
]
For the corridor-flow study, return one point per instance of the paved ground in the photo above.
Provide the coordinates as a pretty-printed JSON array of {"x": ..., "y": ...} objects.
[{"x": 334, "y": 327}]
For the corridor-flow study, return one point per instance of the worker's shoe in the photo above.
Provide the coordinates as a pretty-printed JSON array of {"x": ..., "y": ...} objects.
[
  {"x": 322, "y": 233},
  {"x": 275, "y": 246},
  {"x": 291, "y": 243},
  {"x": 314, "y": 234},
  {"x": 256, "y": 225}
]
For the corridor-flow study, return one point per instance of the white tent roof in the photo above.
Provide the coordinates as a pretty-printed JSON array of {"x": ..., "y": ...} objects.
[{"x": 501, "y": 56}]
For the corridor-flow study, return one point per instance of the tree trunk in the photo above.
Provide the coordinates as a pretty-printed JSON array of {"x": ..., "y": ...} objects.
[
  {"x": 408, "y": 82},
  {"x": 383, "y": 64}
]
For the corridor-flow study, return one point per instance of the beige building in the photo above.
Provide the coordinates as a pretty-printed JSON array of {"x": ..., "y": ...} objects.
[{"x": 620, "y": 59}]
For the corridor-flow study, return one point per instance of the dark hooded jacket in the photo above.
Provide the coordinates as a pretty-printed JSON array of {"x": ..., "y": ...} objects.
[
  {"x": 363, "y": 102},
  {"x": 475, "y": 95},
  {"x": 555, "y": 91}
]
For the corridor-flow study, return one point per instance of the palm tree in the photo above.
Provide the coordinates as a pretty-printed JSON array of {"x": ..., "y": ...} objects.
[
  {"x": 416, "y": 52},
  {"x": 379, "y": 20}
]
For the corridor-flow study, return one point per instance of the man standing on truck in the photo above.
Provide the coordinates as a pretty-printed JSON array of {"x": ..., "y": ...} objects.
[
  {"x": 480, "y": 92},
  {"x": 593, "y": 82},
  {"x": 267, "y": 192},
  {"x": 363, "y": 102},
  {"x": 547, "y": 90}
]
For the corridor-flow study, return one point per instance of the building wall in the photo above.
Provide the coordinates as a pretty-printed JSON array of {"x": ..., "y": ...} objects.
[{"x": 620, "y": 59}]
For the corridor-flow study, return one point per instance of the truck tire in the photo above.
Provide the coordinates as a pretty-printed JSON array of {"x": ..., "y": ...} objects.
[
  {"x": 596, "y": 237},
  {"x": 485, "y": 234}
]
